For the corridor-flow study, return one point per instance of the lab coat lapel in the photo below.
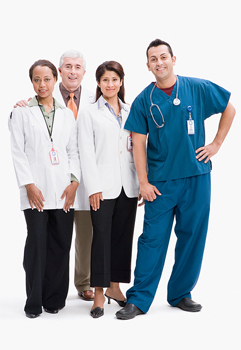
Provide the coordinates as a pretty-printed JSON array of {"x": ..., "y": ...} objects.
[
  {"x": 58, "y": 96},
  {"x": 124, "y": 115},
  {"x": 105, "y": 112},
  {"x": 37, "y": 114},
  {"x": 84, "y": 98}
]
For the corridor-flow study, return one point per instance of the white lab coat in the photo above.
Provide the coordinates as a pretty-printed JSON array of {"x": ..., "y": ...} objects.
[
  {"x": 30, "y": 143},
  {"x": 106, "y": 163},
  {"x": 86, "y": 99}
]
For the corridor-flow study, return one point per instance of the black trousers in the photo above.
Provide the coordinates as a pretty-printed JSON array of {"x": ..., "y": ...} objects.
[
  {"x": 113, "y": 227},
  {"x": 46, "y": 258}
]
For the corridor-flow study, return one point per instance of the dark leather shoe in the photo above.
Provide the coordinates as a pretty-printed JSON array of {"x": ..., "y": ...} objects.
[
  {"x": 52, "y": 311},
  {"x": 31, "y": 315},
  {"x": 97, "y": 312},
  {"x": 128, "y": 312},
  {"x": 188, "y": 304},
  {"x": 87, "y": 295}
]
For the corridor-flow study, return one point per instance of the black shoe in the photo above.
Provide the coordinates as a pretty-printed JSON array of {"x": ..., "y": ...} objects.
[
  {"x": 121, "y": 303},
  {"x": 31, "y": 315},
  {"x": 188, "y": 304},
  {"x": 128, "y": 312},
  {"x": 97, "y": 312},
  {"x": 52, "y": 311}
]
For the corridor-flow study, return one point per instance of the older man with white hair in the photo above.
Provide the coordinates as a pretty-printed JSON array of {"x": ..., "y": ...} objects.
[{"x": 72, "y": 68}]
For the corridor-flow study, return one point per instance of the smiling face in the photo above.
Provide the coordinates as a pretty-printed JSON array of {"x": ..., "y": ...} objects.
[
  {"x": 161, "y": 64},
  {"x": 43, "y": 82},
  {"x": 72, "y": 73},
  {"x": 109, "y": 84}
]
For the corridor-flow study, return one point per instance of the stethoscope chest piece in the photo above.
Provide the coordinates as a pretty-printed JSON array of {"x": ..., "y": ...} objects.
[{"x": 176, "y": 101}]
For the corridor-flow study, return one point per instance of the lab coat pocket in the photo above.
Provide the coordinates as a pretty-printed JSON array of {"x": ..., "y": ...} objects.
[{"x": 106, "y": 176}]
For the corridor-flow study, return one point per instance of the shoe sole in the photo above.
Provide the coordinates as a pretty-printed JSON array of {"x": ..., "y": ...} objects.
[
  {"x": 190, "y": 310},
  {"x": 128, "y": 317},
  {"x": 86, "y": 299}
]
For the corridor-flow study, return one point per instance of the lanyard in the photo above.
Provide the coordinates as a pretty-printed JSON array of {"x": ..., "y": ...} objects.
[{"x": 50, "y": 133}]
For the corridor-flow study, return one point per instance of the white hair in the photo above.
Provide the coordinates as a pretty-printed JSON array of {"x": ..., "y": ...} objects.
[{"x": 72, "y": 54}]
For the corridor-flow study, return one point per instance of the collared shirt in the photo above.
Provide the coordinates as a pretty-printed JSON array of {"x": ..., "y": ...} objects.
[
  {"x": 49, "y": 119},
  {"x": 102, "y": 102},
  {"x": 65, "y": 94}
]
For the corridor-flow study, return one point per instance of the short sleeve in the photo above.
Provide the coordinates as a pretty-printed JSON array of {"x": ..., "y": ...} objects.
[
  {"x": 216, "y": 99},
  {"x": 137, "y": 119}
]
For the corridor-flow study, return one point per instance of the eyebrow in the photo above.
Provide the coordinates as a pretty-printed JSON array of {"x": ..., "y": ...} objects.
[
  {"x": 37, "y": 76},
  {"x": 113, "y": 76},
  {"x": 70, "y": 64},
  {"x": 164, "y": 53}
]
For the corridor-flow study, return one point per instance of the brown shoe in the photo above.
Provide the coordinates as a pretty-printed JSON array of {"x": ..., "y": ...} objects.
[{"x": 87, "y": 295}]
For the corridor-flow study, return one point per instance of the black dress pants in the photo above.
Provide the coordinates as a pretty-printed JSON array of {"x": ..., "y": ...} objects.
[
  {"x": 113, "y": 227},
  {"x": 46, "y": 258}
]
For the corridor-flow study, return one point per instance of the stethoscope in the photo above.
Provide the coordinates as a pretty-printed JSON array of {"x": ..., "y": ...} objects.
[{"x": 176, "y": 102}]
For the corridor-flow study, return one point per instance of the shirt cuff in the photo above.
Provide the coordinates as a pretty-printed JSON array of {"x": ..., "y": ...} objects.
[{"x": 73, "y": 178}]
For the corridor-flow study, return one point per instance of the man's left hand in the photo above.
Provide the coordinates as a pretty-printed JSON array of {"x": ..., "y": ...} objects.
[{"x": 207, "y": 152}]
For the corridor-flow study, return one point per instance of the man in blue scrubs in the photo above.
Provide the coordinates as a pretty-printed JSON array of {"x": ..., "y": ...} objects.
[{"x": 169, "y": 114}]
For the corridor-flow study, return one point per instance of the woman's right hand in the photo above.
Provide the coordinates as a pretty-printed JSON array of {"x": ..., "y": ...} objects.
[
  {"x": 35, "y": 197},
  {"x": 95, "y": 200}
]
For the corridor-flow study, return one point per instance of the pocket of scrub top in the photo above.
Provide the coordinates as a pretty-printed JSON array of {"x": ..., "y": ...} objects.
[
  {"x": 194, "y": 115},
  {"x": 198, "y": 138}
]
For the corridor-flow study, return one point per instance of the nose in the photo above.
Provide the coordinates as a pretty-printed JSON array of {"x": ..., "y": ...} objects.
[
  {"x": 73, "y": 70},
  {"x": 110, "y": 83},
  {"x": 159, "y": 61},
  {"x": 42, "y": 83}
]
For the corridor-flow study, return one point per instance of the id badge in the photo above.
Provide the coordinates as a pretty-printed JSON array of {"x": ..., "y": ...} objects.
[
  {"x": 54, "y": 158},
  {"x": 129, "y": 143},
  {"x": 190, "y": 127}
]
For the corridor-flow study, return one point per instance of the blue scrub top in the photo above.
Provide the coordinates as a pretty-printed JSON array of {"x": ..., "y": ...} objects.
[{"x": 171, "y": 150}]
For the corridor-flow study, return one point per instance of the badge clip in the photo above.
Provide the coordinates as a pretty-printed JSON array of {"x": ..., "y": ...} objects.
[{"x": 190, "y": 122}]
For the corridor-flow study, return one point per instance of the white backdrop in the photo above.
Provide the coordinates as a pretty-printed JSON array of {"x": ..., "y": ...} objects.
[{"x": 205, "y": 37}]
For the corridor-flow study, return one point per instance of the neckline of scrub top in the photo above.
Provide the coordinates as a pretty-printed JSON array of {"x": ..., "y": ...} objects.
[
  {"x": 162, "y": 94},
  {"x": 168, "y": 90}
]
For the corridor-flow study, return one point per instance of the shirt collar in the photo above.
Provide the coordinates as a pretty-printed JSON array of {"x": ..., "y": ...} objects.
[
  {"x": 66, "y": 92},
  {"x": 102, "y": 102},
  {"x": 34, "y": 102}
]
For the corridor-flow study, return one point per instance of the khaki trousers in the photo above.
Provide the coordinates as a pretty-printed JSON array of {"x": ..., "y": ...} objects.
[{"x": 83, "y": 241}]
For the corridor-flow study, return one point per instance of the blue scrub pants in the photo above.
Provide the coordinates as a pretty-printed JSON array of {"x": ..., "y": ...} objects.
[{"x": 188, "y": 201}]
